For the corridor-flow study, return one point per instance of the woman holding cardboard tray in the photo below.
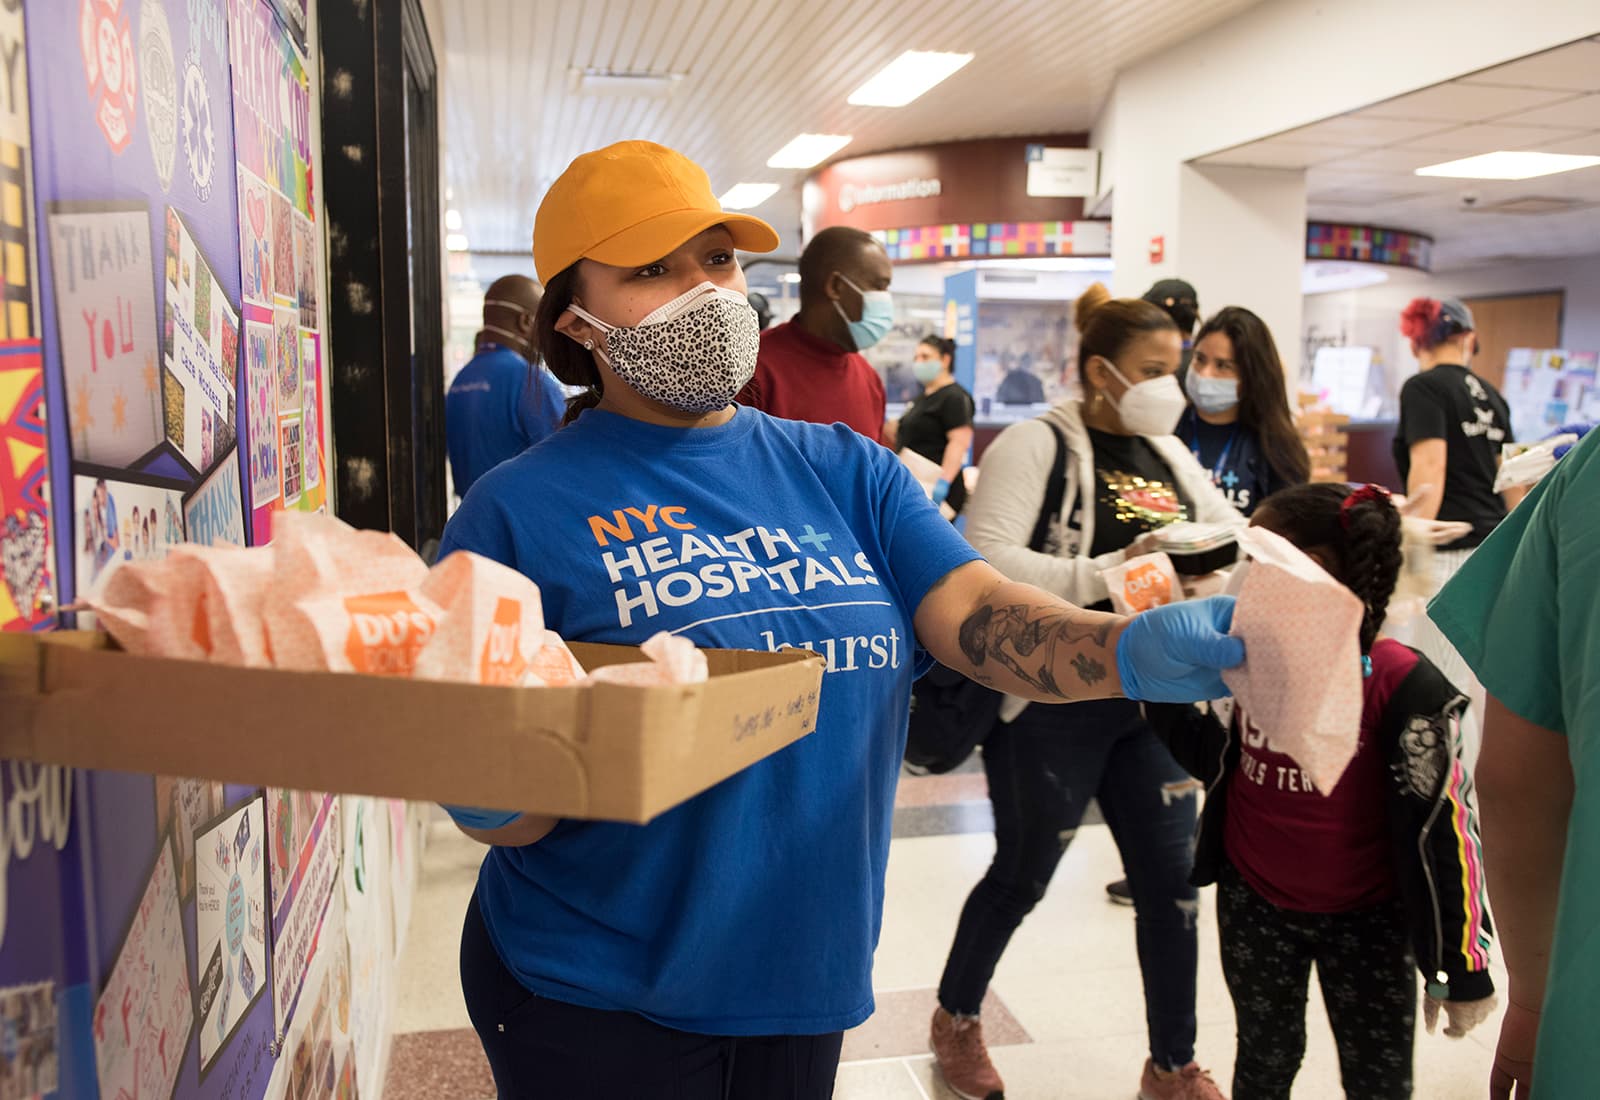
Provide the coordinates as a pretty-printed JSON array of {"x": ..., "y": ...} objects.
[{"x": 721, "y": 950}]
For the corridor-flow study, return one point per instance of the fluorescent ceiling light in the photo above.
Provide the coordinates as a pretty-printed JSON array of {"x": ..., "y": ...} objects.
[
  {"x": 452, "y": 220},
  {"x": 456, "y": 242},
  {"x": 1504, "y": 165},
  {"x": 745, "y": 196},
  {"x": 808, "y": 150},
  {"x": 623, "y": 82},
  {"x": 907, "y": 77},
  {"x": 789, "y": 277}
]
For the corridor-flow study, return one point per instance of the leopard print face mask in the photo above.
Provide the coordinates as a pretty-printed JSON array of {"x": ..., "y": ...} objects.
[{"x": 694, "y": 354}]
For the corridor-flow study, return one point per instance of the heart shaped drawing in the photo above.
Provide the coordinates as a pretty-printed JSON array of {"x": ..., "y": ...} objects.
[{"x": 256, "y": 207}]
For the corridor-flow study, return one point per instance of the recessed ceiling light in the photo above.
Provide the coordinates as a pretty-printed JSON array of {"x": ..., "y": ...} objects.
[
  {"x": 808, "y": 150},
  {"x": 1506, "y": 165},
  {"x": 456, "y": 242},
  {"x": 907, "y": 77},
  {"x": 745, "y": 196},
  {"x": 452, "y": 220}
]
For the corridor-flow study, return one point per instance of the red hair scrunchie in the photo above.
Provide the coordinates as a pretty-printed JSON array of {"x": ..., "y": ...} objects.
[{"x": 1367, "y": 493}]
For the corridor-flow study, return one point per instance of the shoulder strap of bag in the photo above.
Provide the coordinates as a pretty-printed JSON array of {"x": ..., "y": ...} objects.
[{"x": 1055, "y": 490}]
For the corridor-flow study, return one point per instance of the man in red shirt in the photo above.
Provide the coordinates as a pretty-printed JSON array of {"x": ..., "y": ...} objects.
[{"x": 811, "y": 368}]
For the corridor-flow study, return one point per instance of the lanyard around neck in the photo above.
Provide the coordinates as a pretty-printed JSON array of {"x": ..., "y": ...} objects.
[{"x": 1227, "y": 448}]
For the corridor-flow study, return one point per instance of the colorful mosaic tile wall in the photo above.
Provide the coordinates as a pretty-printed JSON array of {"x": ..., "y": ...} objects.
[
  {"x": 980, "y": 239},
  {"x": 1368, "y": 244}
]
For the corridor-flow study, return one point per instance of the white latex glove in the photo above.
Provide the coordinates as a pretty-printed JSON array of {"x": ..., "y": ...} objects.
[
  {"x": 1434, "y": 532},
  {"x": 1462, "y": 1016}
]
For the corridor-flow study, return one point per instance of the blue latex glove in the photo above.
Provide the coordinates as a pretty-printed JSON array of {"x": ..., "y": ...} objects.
[
  {"x": 1176, "y": 653},
  {"x": 483, "y": 820},
  {"x": 941, "y": 489},
  {"x": 1579, "y": 430}
]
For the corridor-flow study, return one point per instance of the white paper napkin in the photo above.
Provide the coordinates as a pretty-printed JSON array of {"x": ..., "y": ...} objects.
[{"x": 1301, "y": 680}]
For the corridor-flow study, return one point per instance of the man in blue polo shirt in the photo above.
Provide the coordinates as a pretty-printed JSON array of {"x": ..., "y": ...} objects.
[{"x": 503, "y": 401}]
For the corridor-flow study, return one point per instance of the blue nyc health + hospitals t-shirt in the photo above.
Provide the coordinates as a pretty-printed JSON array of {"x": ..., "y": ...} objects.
[
  {"x": 498, "y": 406},
  {"x": 754, "y": 908}
]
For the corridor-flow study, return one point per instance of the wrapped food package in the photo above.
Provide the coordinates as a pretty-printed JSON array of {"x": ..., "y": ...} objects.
[
  {"x": 342, "y": 599},
  {"x": 152, "y": 607},
  {"x": 327, "y": 597},
  {"x": 673, "y": 660},
  {"x": 1141, "y": 583},
  {"x": 234, "y": 583},
  {"x": 554, "y": 664},
  {"x": 487, "y": 624}
]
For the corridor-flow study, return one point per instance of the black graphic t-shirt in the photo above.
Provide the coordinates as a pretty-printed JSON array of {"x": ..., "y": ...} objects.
[
  {"x": 928, "y": 422},
  {"x": 1134, "y": 491},
  {"x": 1451, "y": 403}
]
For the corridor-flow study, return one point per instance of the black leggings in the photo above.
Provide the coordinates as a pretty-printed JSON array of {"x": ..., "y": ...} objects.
[
  {"x": 539, "y": 1048},
  {"x": 1369, "y": 985}
]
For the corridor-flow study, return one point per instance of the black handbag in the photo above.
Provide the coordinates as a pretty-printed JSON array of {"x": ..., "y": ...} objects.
[{"x": 950, "y": 714}]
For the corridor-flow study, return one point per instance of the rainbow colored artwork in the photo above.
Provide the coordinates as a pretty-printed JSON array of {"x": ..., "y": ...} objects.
[
  {"x": 970, "y": 240},
  {"x": 1368, "y": 244}
]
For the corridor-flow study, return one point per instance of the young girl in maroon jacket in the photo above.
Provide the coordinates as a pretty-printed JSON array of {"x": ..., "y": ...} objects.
[{"x": 1382, "y": 874}]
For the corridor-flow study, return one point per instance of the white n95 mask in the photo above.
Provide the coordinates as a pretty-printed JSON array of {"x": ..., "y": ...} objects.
[
  {"x": 1151, "y": 407},
  {"x": 693, "y": 354}
]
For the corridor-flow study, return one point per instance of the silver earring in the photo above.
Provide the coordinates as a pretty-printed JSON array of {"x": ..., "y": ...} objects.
[{"x": 588, "y": 345}]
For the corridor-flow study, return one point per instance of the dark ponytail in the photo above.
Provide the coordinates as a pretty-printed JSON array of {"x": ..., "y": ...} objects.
[
  {"x": 1360, "y": 527},
  {"x": 571, "y": 362},
  {"x": 941, "y": 346}
]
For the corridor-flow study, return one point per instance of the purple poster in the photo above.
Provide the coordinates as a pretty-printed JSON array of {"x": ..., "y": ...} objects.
[{"x": 132, "y": 118}]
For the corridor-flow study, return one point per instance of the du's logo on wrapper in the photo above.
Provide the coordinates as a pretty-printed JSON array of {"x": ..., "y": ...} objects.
[
  {"x": 1147, "y": 586},
  {"x": 387, "y": 631},
  {"x": 502, "y": 661}
]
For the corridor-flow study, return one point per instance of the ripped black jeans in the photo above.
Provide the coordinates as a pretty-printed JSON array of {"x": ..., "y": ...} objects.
[{"x": 1043, "y": 768}]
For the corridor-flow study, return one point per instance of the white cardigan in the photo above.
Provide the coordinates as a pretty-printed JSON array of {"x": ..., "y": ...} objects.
[{"x": 1002, "y": 511}]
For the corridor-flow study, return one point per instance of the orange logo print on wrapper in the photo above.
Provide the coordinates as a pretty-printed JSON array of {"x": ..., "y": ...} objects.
[
  {"x": 387, "y": 631},
  {"x": 1146, "y": 586},
  {"x": 502, "y": 661}
]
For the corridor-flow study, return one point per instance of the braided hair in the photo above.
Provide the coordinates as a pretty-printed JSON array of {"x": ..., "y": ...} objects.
[{"x": 1359, "y": 527}]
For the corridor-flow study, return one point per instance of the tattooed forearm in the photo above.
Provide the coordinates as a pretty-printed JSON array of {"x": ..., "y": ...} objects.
[
  {"x": 1089, "y": 670},
  {"x": 1029, "y": 641}
]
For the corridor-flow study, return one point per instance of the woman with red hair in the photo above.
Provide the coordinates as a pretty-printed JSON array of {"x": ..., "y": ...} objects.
[{"x": 1452, "y": 424}]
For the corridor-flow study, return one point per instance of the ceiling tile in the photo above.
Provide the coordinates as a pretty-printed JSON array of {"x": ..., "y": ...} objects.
[
  {"x": 1361, "y": 196},
  {"x": 1490, "y": 136},
  {"x": 1402, "y": 161},
  {"x": 1359, "y": 130},
  {"x": 1574, "y": 67},
  {"x": 1579, "y": 113},
  {"x": 1586, "y": 146},
  {"x": 1459, "y": 102},
  {"x": 1272, "y": 154}
]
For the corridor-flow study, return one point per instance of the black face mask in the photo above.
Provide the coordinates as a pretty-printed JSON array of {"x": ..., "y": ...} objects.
[{"x": 1184, "y": 316}]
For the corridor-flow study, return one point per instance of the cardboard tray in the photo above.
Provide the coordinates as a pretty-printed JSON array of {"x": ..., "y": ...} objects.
[{"x": 604, "y": 751}]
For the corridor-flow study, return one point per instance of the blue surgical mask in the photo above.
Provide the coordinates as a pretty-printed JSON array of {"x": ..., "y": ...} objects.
[
  {"x": 1212, "y": 395},
  {"x": 877, "y": 316},
  {"x": 926, "y": 370}
]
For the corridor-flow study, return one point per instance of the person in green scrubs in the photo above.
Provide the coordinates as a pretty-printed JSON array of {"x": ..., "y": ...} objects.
[{"x": 1524, "y": 613}]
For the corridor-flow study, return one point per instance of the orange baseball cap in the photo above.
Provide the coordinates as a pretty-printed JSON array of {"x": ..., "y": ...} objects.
[{"x": 630, "y": 204}]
